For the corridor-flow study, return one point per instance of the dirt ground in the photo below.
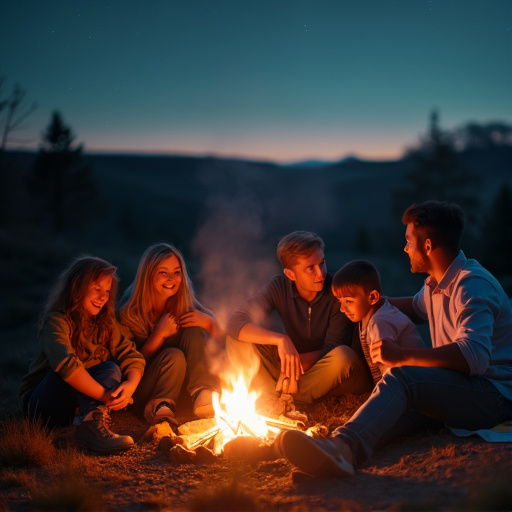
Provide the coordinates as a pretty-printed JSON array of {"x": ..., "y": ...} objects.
[{"x": 433, "y": 471}]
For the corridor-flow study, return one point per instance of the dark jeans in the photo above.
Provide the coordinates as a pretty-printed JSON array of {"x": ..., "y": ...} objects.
[
  {"x": 55, "y": 401},
  {"x": 437, "y": 394}
]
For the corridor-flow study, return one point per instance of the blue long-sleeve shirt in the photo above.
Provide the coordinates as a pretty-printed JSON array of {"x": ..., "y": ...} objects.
[{"x": 315, "y": 325}]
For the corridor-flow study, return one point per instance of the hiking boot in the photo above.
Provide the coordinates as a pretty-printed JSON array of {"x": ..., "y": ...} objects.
[
  {"x": 324, "y": 457},
  {"x": 94, "y": 433},
  {"x": 202, "y": 403}
]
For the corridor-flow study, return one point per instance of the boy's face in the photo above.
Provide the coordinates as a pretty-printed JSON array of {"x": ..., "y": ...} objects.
[
  {"x": 97, "y": 295},
  {"x": 309, "y": 274},
  {"x": 355, "y": 306}
]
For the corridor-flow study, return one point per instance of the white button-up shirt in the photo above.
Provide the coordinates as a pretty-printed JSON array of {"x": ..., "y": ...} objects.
[{"x": 469, "y": 307}]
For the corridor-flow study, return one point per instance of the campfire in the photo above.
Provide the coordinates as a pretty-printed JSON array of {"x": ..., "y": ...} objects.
[
  {"x": 236, "y": 422},
  {"x": 237, "y": 429}
]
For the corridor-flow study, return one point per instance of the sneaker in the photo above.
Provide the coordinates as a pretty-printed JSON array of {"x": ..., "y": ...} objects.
[
  {"x": 324, "y": 457},
  {"x": 94, "y": 433},
  {"x": 164, "y": 411},
  {"x": 202, "y": 403}
]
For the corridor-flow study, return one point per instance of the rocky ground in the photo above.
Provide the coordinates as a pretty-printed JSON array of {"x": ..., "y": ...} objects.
[{"x": 433, "y": 471}]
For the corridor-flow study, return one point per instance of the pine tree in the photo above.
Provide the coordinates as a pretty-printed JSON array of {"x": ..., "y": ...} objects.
[
  {"x": 438, "y": 173},
  {"x": 65, "y": 193}
]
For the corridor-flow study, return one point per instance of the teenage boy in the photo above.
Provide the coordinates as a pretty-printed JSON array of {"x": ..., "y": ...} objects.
[
  {"x": 312, "y": 354},
  {"x": 463, "y": 381}
]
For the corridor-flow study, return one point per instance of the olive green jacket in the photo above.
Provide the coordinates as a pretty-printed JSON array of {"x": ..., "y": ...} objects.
[{"x": 56, "y": 353}]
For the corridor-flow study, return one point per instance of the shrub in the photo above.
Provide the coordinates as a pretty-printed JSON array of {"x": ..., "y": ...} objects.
[{"x": 25, "y": 443}]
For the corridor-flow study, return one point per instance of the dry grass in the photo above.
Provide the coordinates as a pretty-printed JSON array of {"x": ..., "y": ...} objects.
[
  {"x": 25, "y": 446},
  {"x": 26, "y": 443}
]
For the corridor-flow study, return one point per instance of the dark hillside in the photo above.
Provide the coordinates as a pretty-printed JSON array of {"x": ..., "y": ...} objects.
[{"x": 227, "y": 215}]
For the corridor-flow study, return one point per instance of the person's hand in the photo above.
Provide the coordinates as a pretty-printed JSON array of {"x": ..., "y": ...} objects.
[
  {"x": 285, "y": 385},
  {"x": 166, "y": 326},
  {"x": 291, "y": 366},
  {"x": 196, "y": 318},
  {"x": 121, "y": 396},
  {"x": 385, "y": 352}
]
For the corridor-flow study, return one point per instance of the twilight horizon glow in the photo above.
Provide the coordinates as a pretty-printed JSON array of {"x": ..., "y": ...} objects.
[{"x": 283, "y": 81}]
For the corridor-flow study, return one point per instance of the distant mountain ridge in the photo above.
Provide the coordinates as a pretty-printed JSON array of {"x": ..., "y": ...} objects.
[{"x": 153, "y": 197}]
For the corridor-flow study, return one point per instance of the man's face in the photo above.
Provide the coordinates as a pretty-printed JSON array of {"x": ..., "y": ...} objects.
[
  {"x": 309, "y": 274},
  {"x": 414, "y": 247}
]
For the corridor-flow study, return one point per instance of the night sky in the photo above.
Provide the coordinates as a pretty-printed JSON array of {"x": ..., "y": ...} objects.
[{"x": 281, "y": 80}]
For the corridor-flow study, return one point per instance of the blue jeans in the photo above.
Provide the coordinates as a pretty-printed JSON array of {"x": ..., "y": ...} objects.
[
  {"x": 55, "y": 401},
  {"x": 446, "y": 396}
]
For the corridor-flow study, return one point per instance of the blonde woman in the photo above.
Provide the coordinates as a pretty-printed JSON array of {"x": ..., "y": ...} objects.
[{"x": 169, "y": 326}]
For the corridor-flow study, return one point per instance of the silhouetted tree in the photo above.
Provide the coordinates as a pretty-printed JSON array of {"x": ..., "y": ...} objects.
[
  {"x": 497, "y": 235},
  {"x": 483, "y": 136},
  {"x": 438, "y": 173},
  {"x": 61, "y": 182},
  {"x": 13, "y": 111}
]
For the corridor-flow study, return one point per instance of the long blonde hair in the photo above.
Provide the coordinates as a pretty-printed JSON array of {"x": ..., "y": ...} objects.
[
  {"x": 67, "y": 295},
  {"x": 138, "y": 301}
]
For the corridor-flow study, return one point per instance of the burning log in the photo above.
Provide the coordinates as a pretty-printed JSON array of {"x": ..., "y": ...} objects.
[
  {"x": 198, "y": 432},
  {"x": 180, "y": 455},
  {"x": 285, "y": 425},
  {"x": 206, "y": 437},
  {"x": 196, "y": 426},
  {"x": 159, "y": 432},
  {"x": 249, "y": 449}
]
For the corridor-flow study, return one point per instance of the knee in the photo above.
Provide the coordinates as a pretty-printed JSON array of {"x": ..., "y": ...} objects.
[
  {"x": 112, "y": 369},
  {"x": 240, "y": 353},
  {"x": 193, "y": 335},
  {"x": 107, "y": 373},
  {"x": 172, "y": 356},
  {"x": 402, "y": 374},
  {"x": 343, "y": 357}
]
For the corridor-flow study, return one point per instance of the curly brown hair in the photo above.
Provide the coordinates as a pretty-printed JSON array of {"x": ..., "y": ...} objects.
[{"x": 67, "y": 295}]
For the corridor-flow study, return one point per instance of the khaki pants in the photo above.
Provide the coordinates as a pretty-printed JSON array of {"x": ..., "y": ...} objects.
[{"x": 341, "y": 371}]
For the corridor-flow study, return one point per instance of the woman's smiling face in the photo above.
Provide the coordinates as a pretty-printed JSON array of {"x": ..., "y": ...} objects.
[
  {"x": 167, "y": 278},
  {"x": 97, "y": 295}
]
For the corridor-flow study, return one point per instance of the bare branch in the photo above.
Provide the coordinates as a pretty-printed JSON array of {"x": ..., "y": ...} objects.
[{"x": 16, "y": 112}]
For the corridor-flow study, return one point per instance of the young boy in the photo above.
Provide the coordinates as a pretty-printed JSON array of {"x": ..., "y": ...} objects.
[{"x": 357, "y": 287}]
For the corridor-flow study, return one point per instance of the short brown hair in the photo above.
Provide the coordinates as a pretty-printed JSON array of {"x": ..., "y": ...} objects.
[
  {"x": 356, "y": 273},
  {"x": 441, "y": 222},
  {"x": 297, "y": 244}
]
